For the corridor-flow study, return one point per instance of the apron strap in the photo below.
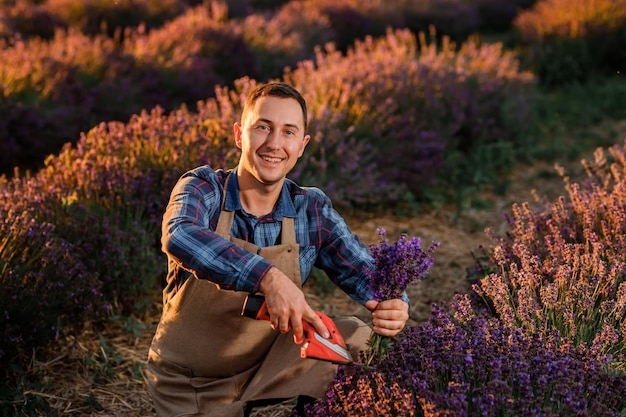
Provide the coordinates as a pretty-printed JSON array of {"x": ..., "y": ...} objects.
[
  {"x": 225, "y": 221},
  {"x": 224, "y": 224},
  {"x": 288, "y": 232}
]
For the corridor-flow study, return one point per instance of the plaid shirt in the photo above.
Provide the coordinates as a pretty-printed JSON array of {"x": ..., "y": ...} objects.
[{"x": 192, "y": 246}]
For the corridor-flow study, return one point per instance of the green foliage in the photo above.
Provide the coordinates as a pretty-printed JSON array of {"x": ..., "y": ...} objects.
[
  {"x": 91, "y": 402},
  {"x": 567, "y": 120},
  {"x": 466, "y": 173},
  {"x": 407, "y": 205},
  {"x": 130, "y": 324},
  {"x": 20, "y": 396},
  {"x": 104, "y": 363}
]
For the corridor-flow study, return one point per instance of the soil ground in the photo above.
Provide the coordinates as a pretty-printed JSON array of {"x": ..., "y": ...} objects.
[{"x": 71, "y": 368}]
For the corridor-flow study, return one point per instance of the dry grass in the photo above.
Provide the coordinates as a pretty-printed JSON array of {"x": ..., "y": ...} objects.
[{"x": 89, "y": 379}]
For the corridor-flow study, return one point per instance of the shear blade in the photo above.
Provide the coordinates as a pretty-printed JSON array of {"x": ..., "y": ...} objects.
[{"x": 342, "y": 355}]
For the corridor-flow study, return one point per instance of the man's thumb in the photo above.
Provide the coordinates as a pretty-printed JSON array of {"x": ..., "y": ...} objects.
[{"x": 371, "y": 305}]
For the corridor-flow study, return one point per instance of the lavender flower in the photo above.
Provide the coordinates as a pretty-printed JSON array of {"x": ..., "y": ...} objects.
[
  {"x": 398, "y": 265},
  {"x": 395, "y": 267}
]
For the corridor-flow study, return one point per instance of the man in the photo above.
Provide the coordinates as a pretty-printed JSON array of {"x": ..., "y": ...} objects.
[{"x": 250, "y": 230}]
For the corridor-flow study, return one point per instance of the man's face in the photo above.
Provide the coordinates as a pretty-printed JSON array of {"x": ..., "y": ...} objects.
[{"x": 271, "y": 139}]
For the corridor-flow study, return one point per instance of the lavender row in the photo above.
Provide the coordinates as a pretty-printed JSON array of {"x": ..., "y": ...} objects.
[
  {"x": 570, "y": 41},
  {"x": 53, "y": 89},
  {"x": 563, "y": 269},
  {"x": 69, "y": 64}
]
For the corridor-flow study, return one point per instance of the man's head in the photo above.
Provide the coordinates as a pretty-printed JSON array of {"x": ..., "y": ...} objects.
[{"x": 271, "y": 134}]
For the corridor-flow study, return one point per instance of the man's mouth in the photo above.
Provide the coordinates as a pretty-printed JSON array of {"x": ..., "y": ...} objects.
[{"x": 271, "y": 159}]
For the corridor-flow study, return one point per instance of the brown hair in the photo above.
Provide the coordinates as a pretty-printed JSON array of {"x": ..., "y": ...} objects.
[{"x": 276, "y": 89}]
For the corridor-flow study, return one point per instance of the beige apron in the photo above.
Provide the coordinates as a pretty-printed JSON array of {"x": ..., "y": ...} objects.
[{"x": 208, "y": 360}]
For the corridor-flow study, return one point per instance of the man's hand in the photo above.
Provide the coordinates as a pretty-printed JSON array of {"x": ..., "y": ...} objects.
[
  {"x": 288, "y": 307},
  {"x": 389, "y": 316}
]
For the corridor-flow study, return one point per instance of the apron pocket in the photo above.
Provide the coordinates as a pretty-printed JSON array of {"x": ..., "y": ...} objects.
[{"x": 170, "y": 387}]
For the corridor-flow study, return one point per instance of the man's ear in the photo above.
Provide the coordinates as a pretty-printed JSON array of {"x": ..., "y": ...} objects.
[
  {"x": 237, "y": 131},
  {"x": 305, "y": 141}
]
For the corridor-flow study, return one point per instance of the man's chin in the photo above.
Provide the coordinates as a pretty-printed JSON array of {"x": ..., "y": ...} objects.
[
  {"x": 269, "y": 180},
  {"x": 269, "y": 183}
]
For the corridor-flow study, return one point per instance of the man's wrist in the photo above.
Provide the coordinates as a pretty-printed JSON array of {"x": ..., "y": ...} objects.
[{"x": 267, "y": 280}]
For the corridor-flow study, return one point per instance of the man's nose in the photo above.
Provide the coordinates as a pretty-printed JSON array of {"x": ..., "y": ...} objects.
[{"x": 273, "y": 139}]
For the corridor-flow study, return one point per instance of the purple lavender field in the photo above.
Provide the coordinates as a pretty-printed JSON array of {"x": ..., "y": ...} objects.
[{"x": 421, "y": 116}]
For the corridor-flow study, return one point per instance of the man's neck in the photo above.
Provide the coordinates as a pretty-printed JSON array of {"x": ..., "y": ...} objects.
[{"x": 258, "y": 199}]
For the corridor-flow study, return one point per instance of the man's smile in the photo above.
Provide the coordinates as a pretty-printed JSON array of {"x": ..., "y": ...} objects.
[{"x": 272, "y": 159}]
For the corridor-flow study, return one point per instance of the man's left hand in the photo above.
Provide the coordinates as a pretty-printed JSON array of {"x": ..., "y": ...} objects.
[{"x": 389, "y": 316}]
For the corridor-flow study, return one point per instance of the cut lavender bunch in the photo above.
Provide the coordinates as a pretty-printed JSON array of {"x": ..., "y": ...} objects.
[{"x": 395, "y": 267}]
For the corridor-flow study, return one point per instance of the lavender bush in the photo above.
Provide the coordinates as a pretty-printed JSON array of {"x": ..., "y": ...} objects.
[
  {"x": 92, "y": 16},
  {"x": 44, "y": 286},
  {"x": 466, "y": 364},
  {"x": 69, "y": 259},
  {"x": 281, "y": 38},
  {"x": 555, "y": 346},
  {"x": 563, "y": 269},
  {"x": 195, "y": 52},
  {"x": 570, "y": 41},
  {"x": 28, "y": 20},
  {"x": 73, "y": 79},
  {"x": 105, "y": 197}
]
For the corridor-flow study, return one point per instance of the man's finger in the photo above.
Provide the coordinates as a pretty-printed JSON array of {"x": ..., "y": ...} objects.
[
  {"x": 319, "y": 325},
  {"x": 284, "y": 326},
  {"x": 298, "y": 333},
  {"x": 371, "y": 305}
]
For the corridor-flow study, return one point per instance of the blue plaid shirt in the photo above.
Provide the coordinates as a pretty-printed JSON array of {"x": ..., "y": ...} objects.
[{"x": 192, "y": 246}]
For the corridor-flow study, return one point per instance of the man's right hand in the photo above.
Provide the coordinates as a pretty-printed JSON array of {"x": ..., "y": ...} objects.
[{"x": 287, "y": 306}]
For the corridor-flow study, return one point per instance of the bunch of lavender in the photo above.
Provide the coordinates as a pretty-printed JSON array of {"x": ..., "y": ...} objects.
[{"x": 395, "y": 267}]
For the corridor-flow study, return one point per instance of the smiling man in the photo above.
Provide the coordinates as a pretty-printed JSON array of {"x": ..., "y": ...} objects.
[{"x": 230, "y": 233}]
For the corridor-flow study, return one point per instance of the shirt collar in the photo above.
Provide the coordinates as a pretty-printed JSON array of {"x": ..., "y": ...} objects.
[{"x": 284, "y": 208}]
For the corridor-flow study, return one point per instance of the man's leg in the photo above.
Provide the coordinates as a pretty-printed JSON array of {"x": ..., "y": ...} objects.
[
  {"x": 175, "y": 391},
  {"x": 284, "y": 374}
]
